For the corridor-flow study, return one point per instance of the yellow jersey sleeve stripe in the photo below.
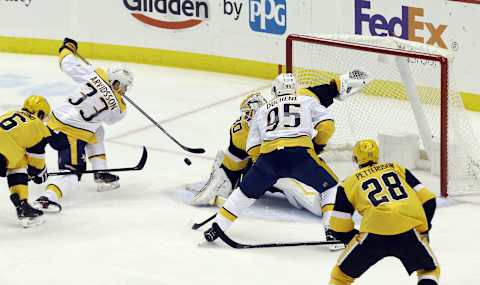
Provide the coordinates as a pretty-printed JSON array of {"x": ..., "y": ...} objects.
[
  {"x": 341, "y": 225},
  {"x": 325, "y": 130},
  {"x": 234, "y": 164},
  {"x": 62, "y": 55},
  {"x": 228, "y": 215},
  {"x": 38, "y": 163},
  {"x": 254, "y": 152},
  {"x": 424, "y": 195}
]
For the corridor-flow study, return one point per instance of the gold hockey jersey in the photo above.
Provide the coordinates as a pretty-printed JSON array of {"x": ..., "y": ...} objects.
[
  {"x": 388, "y": 197},
  {"x": 22, "y": 139}
]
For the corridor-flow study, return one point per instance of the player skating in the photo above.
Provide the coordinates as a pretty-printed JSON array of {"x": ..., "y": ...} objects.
[
  {"x": 23, "y": 137},
  {"x": 78, "y": 123},
  {"x": 282, "y": 136},
  {"x": 397, "y": 211}
]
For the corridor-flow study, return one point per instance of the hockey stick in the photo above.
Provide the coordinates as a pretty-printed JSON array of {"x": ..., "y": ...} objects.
[
  {"x": 139, "y": 166},
  {"x": 196, "y": 226},
  {"x": 192, "y": 150},
  {"x": 237, "y": 245}
]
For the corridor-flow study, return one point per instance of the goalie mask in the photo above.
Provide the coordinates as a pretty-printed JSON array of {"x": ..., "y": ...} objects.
[
  {"x": 365, "y": 151},
  {"x": 251, "y": 104},
  {"x": 37, "y": 105},
  {"x": 121, "y": 79},
  {"x": 284, "y": 84}
]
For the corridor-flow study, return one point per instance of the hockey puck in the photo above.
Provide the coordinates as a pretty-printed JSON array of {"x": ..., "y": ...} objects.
[{"x": 187, "y": 161}]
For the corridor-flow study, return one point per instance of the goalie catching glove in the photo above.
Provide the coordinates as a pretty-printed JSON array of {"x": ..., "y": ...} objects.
[
  {"x": 218, "y": 187},
  {"x": 351, "y": 83}
]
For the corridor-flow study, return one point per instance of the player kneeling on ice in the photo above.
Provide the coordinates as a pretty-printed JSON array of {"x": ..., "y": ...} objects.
[
  {"x": 78, "y": 124},
  {"x": 284, "y": 135},
  {"x": 397, "y": 211},
  {"x": 23, "y": 137}
]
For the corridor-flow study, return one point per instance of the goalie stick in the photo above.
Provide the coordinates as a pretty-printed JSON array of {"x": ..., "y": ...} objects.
[
  {"x": 237, "y": 245},
  {"x": 192, "y": 150},
  {"x": 139, "y": 166}
]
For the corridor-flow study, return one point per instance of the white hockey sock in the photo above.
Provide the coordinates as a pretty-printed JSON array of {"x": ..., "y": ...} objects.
[
  {"x": 236, "y": 203},
  {"x": 328, "y": 201},
  {"x": 98, "y": 162}
]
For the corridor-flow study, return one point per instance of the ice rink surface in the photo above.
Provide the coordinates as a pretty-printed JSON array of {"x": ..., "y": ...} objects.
[{"x": 141, "y": 233}]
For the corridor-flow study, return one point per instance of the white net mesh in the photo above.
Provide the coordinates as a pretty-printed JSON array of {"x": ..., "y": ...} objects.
[{"x": 385, "y": 106}]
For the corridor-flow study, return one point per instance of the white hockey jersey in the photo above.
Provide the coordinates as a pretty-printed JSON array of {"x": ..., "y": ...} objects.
[
  {"x": 286, "y": 121},
  {"x": 96, "y": 103}
]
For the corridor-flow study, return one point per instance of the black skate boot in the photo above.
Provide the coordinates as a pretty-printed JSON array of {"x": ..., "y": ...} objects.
[
  {"x": 27, "y": 215},
  {"x": 106, "y": 181},
  {"x": 44, "y": 204},
  {"x": 330, "y": 237}
]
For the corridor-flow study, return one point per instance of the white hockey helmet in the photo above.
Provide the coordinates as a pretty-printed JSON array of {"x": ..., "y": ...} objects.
[
  {"x": 121, "y": 78},
  {"x": 284, "y": 84},
  {"x": 251, "y": 103}
]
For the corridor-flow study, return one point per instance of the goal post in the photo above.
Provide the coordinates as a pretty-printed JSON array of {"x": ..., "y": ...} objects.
[{"x": 412, "y": 91}]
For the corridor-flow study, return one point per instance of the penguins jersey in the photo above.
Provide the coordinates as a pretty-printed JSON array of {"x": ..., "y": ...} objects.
[
  {"x": 286, "y": 121},
  {"x": 96, "y": 103},
  {"x": 236, "y": 157},
  {"x": 388, "y": 197},
  {"x": 23, "y": 138}
]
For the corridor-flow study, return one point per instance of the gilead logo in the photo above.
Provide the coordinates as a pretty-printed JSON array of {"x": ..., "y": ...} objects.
[
  {"x": 410, "y": 26},
  {"x": 169, "y": 14}
]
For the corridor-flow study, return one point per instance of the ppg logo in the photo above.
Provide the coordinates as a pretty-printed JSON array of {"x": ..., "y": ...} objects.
[{"x": 268, "y": 16}]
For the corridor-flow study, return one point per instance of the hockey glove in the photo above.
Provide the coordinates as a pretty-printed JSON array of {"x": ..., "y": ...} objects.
[
  {"x": 38, "y": 176},
  {"x": 210, "y": 234},
  {"x": 69, "y": 44}
]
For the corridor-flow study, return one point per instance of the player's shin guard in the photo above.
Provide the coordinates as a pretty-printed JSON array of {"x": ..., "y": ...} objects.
[
  {"x": 430, "y": 277},
  {"x": 337, "y": 277},
  {"x": 233, "y": 207}
]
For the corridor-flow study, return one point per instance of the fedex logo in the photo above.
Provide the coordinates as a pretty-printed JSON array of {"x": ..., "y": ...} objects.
[
  {"x": 409, "y": 26},
  {"x": 268, "y": 16}
]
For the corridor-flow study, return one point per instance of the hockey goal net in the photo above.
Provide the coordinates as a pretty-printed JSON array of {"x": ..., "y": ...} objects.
[{"x": 412, "y": 93}]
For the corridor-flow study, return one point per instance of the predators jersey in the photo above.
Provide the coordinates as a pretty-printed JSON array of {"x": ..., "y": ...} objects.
[
  {"x": 236, "y": 157},
  {"x": 388, "y": 197},
  {"x": 23, "y": 138},
  {"x": 286, "y": 121},
  {"x": 96, "y": 103}
]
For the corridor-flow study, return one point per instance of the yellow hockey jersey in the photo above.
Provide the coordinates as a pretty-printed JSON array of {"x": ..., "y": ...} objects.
[
  {"x": 236, "y": 157},
  {"x": 388, "y": 197},
  {"x": 23, "y": 138}
]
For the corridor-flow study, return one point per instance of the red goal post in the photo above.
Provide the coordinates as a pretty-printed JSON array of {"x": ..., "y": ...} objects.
[{"x": 305, "y": 56}]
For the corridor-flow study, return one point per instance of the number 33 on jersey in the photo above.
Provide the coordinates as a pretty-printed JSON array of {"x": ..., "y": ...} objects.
[{"x": 84, "y": 113}]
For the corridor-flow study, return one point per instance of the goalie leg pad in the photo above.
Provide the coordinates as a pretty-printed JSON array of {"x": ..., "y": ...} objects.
[
  {"x": 218, "y": 185},
  {"x": 300, "y": 195}
]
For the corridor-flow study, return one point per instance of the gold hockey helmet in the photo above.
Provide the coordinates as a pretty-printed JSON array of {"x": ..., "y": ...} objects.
[
  {"x": 37, "y": 105},
  {"x": 365, "y": 151},
  {"x": 251, "y": 103}
]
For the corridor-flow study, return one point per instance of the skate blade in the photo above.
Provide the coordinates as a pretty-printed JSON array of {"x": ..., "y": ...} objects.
[
  {"x": 103, "y": 187},
  {"x": 336, "y": 247},
  {"x": 51, "y": 209},
  {"x": 31, "y": 222}
]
